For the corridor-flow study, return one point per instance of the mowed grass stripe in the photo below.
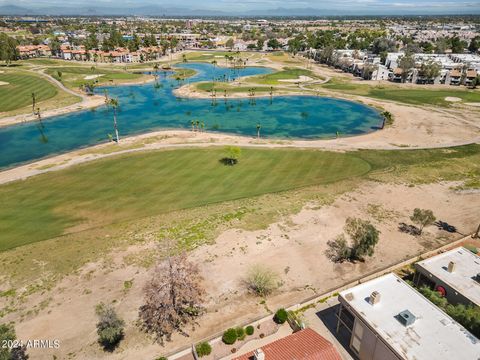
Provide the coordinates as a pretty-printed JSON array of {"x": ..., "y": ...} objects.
[
  {"x": 143, "y": 184},
  {"x": 18, "y": 93}
]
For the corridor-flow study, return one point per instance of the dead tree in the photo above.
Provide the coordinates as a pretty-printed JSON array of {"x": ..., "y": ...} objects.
[{"x": 173, "y": 298}]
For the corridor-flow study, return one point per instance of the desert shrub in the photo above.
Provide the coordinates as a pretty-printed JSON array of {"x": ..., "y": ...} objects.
[
  {"x": 249, "y": 330},
  {"x": 262, "y": 335},
  {"x": 280, "y": 316},
  {"x": 19, "y": 353},
  {"x": 203, "y": 349},
  {"x": 109, "y": 326},
  {"x": 161, "y": 358},
  {"x": 422, "y": 217},
  {"x": 240, "y": 333},
  {"x": 230, "y": 336},
  {"x": 364, "y": 237},
  {"x": 261, "y": 280},
  {"x": 338, "y": 249}
]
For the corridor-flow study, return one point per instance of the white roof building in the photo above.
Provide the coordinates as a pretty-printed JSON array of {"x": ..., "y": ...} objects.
[
  {"x": 461, "y": 279},
  {"x": 391, "y": 320}
]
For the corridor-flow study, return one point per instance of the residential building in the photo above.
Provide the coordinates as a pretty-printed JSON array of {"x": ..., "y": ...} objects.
[
  {"x": 305, "y": 344},
  {"x": 455, "y": 274},
  {"x": 454, "y": 77},
  {"x": 381, "y": 73},
  {"x": 470, "y": 76},
  {"x": 386, "y": 319},
  {"x": 33, "y": 51}
]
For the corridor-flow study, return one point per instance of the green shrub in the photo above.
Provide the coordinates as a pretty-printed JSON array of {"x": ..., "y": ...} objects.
[
  {"x": 161, "y": 358},
  {"x": 230, "y": 336},
  {"x": 109, "y": 327},
  {"x": 203, "y": 349},
  {"x": 240, "y": 333},
  {"x": 472, "y": 248},
  {"x": 280, "y": 316},
  {"x": 249, "y": 330}
]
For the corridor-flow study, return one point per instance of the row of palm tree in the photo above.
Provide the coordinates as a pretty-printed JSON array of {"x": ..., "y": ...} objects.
[
  {"x": 114, "y": 104},
  {"x": 197, "y": 125}
]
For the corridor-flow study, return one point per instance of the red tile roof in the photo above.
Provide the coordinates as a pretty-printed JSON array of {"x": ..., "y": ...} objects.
[{"x": 302, "y": 345}]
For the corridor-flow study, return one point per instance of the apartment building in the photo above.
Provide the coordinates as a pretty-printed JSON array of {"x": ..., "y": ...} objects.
[
  {"x": 386, "y": 319},
  {"x": 455, "y": 274}
]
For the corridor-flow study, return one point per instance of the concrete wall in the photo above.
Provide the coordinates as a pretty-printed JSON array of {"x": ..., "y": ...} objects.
[{"x": 372, "y": 347}]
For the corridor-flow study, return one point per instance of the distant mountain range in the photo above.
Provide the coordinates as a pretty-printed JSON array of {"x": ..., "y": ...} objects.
[{"x": 154, "y": 10}]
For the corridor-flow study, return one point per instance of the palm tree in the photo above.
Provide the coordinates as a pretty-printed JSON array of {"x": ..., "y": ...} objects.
[
  {"x": 184, "y": 58},
  {"x": 258, "y": 130},
  {"x": 197, "y": 123},
  {"x": 114, "y": 104},
  {"x": 105, "y": 92},
  {"x": 34, "y": 100},
  {"x": 193, "y": 125},
  {"x": 202, "y": 124}
]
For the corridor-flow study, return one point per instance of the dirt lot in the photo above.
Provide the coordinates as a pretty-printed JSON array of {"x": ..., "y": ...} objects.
[{"x": 293, "y": 247}]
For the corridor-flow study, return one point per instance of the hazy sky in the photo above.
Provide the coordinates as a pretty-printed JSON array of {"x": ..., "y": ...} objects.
[{"x": 360, "y": 6}]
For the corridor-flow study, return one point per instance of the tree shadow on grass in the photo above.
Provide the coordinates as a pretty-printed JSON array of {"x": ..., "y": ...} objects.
[{"x": 228, "y": 161}]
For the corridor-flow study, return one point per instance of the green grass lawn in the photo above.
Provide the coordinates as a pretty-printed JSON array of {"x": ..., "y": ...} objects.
[
  {"x": 18, "y": 93},
  {"x": 74, "y": 76},
  {"x": 138, "y": 185},
  {"x": 182, "y": 73},
  {"x": 424, "y": 96},
  {"x": 218, "y": 56},
  {"x": 287, "y": 74},
  {"x": 417, "y": 96}
]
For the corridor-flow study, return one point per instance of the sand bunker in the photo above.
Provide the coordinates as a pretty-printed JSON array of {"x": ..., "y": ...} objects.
[
  {"x": 301, "y": 78},
  {"x": 452, "y": 99},
  {"x": 3, "y": 83},
  {"x": 90, "y": 77}
]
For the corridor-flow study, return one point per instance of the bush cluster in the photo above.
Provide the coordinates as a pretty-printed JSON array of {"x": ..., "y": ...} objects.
[
  {"x": 280, "y": 316},
  {"x": 249, "y": 330},
  {"x": 240, "y": 333},
  {"x": 109, "y": 327},
  {"x": 203, "y": 349},
  {"x": 230, "y": 336}
]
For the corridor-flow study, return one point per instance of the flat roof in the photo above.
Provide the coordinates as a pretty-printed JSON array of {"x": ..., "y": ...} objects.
[
  {"x": 462, "y": 279},
  {"x": 432, "y": 335}
]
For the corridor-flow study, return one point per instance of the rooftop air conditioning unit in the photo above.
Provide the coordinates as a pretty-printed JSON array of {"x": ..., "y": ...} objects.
[
  {"x": 451, "y": 267},
  {"x": 406, "y": 318},
  {"x": 259, "y": 354},
  {"x": 374, "y": 298}
]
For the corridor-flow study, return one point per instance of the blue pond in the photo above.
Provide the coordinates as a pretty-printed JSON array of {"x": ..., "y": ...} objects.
[{"x": 147, "y": 107}]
